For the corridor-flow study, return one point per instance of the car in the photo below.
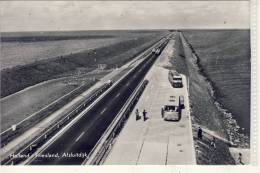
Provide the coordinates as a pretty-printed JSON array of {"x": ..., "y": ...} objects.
[
  {"x": 171, "y": 111},
  {"x": 175, "y": 79},
  {"x": 109, "y": 82},
  {"x": 158, "y": 51}
]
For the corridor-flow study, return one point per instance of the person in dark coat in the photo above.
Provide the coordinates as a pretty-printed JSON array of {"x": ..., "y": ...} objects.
[
  {"x": 144, "y": 115},
  {"x": 200, "y": 133},
  {"x": 240, "y": 159},
  {"x": 162, "y": 111},
  {"x": 137, "y": 115}
]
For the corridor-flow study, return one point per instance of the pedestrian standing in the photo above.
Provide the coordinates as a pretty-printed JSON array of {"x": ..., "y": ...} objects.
[
  {"x": 240, "y": 159},
  {"x": 213, "y": 142},
  {"x": 162, "y": 112},
  {"x": 200, "y": 133},
  {"x": 144, "y": 114},
  {"x": 137, "y": 115}
]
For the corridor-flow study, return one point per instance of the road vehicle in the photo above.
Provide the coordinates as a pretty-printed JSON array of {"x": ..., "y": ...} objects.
[
  {"x": 171, "y": 111},
  {"x": 181, "y": 102},
  {"x": 158, "y": 51},
  {"x": 175, "y": 79}
]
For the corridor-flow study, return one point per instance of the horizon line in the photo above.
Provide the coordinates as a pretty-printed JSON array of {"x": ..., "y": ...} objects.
[{"x": 129, "y": 29}]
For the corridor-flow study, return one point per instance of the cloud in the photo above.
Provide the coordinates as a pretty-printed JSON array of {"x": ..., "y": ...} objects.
[{"x": 84, "y": 15}]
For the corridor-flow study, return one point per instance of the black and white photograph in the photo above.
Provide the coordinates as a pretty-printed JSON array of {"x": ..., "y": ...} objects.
[{"x": 126, "y": 83}]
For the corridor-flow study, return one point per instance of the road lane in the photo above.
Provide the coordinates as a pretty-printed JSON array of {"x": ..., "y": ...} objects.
[
  {"x": 80, "y": 136},
  {"x": 155, "y": 141},
  {"x": 93, "y": 123}
]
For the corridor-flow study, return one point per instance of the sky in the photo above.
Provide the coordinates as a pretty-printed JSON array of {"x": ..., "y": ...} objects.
[{"x": 100, "y": 15}]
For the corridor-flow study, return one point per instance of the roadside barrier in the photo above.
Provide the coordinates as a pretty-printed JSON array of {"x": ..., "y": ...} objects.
[
  {"x": 27, "y": 151},
  {"x": 30, "y": 149},
  {"x": 30, "y": 121},
  {"x": 103, "y": 146},
  {"x": 9, "y": 134},
  {"x": 105, "y": 143}
]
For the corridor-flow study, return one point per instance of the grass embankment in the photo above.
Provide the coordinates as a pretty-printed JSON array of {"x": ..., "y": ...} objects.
[
  {"x": 206, "y": 154},
  {"x": 21, "y": 48},
  {"x": 225, "y": 58},
  {"x": 203, "y": 110},
  {"x": 31, "y": 100},
  {"x": 42, "y": 114},
  {"x": 40, "y": 96},
  {"x": 20, "y": 77}
]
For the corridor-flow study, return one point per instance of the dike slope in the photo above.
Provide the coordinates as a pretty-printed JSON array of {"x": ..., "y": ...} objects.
[{"x": 206, "y": 111}]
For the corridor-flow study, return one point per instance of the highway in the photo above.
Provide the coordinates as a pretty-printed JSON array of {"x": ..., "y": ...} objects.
[
  {"x": 155, "y": 141},
  {"x": 72, "y": 147}
]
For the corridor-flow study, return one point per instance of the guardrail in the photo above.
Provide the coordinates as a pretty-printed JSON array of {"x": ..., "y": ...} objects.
[
  {"x": 9, "y": 134},
  {"x": 103, "y": 146},
  {"x": 40, "y": 141},
  {"x": 16, "y": 158}
]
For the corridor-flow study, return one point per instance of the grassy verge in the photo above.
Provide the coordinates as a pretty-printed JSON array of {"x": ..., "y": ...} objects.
[
  {"x": 75, "y": 77},
  {"x": 39, "y": 116},
  {"x": 204, "y": 113},
  {"x": 206, "y": 154},
  {"x": 20, "y": 77},
  {"x": 224, "y": 57}
]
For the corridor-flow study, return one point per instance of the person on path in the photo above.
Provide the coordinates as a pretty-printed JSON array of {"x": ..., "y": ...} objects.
[
  {"x": 213, "y": 142},
  {"x": 200, "y": 133},
  {"x": 240, "y": 159},
  {"x": 162, "y": 112},
  {"x": 137, "y": 117},
  {"x": 144, "y": 115}
]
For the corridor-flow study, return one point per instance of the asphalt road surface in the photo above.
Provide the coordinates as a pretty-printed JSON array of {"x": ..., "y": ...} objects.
[{"x": 72, "y": 147}]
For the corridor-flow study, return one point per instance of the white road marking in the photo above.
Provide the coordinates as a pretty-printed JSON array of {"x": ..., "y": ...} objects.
[
  {"x": 104, "y": 110},
  {"x": 118, "y": 94},
  {"x": 79, "y": 136},
  {"x": 127, "y": 83}
]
